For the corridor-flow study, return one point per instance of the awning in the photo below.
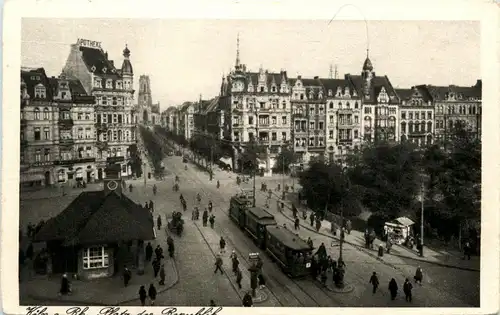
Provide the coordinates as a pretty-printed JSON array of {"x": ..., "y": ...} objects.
[
  {"x": 31, "y": 177},
  {"x": 404, "y": 221},
  {"x": 226, "y": 160}
]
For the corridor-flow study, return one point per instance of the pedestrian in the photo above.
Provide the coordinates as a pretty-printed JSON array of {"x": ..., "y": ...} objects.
[
  {"x": 294, "y": 210},
  {"x": 467, "y": 250},
  {"x": 151, "y": 206},
  {"x": 205, "y": 217},
  {"x": 171, "y": 247},
  {"x": 159, "y": 252},
  {"x": 393, "y": 288},
  {"x": 321, "y": 252},
  {"x": 311, "y": 218},
  {"x": 65, "y": 288},
  {"x": 247, "y": 300},
  {"x": 218, "y": 264},
  {"x": 130, "y": 187},
  {"x": 262, "y": 281},
  {"x": 142, "y": 295},
  {"x": 236, "y": 263},
  {"x": 218, "y": 184},
  {"x": 374, "y": 281},
  {"x": 149, "y": 251},
  {"x": 212, "y": 303},
  {"x": 310, "y": 242},
  {"x": 152, "y": 293},
  {"x": 419, "y": 275},
  {"x": 162, "y": 275},
  {"x": 156, "y": 266},
  {"x": 154, "y": 189},
  {"x": 158, "y": 222},
  {"x": 127, "y": 275},
  {"x": 210, "y": 206},
  {"x": 407, "y": 287},
  {"x": 222, "y": 244},
  {"x": 318, "y": 224},
  {"x": 146, "y": 205},
  {"x": 297, "y": 223},
  {"x": 348, "y": 226},
  {"x": 212, "y": 221},
  {"x": 239, "y": 277}
]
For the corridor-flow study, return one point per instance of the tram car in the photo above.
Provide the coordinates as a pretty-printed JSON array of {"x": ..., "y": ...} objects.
[
  {"x": 289, "y": 251},
  {"x": 237, "y": 207}
]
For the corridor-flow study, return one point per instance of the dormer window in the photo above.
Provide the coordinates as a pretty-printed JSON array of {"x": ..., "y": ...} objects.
[
  {"x": 346, "y": 92},
  {"x": 119, "y": 85},
  {"x": 262, "y": 89},
  {"x": 104, "y": 70},
  {"x": 330, "y": 93},
  {"x": 109, "y": 84},
  {"x": 339, "y": 91},
  {"x": 320, "y": 95},
  {"x": 92, "y": 69},
  {"x": 97, "y": 83},
  {"x": 311, "y": 95},
  {"x": 273, "y": 89},
  {"x": 40, "y": 91}
]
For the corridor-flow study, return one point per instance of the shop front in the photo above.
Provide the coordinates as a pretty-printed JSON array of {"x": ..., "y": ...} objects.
[{"x": 75, "y": 172}]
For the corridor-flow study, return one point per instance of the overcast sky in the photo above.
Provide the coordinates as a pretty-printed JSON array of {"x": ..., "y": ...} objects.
[{"x": 185, "y": 58}]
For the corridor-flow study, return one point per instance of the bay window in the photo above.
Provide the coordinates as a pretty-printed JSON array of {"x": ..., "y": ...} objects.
[{"x": 95, "y": 257}]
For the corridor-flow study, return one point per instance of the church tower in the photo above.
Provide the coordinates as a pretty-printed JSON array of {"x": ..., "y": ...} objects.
[
  {"x": 367, "y": 74},
  {"x": 145, "y": 99}
]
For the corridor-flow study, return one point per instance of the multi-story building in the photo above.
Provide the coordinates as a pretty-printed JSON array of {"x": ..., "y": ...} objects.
[
  {"x": 147, "y": 112},
  {"x": 170, "y": 119},
  {"x": 39, "y": 148},
  {"x": 114, "y": 100},
  {"x": 343, "y": 112},
  {"x": 456, "y": 103},
  {"x": 416, "y": 115},
  {"x": 309, "y": 118},
  {"x": 186, "y": 120},
  {"x": 76, "y": 136},
  {"x": 380, "y": 105}
]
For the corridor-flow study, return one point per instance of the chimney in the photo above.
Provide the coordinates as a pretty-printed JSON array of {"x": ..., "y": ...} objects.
[
  {"x": 106, "y": 55},
  {"x": 316, "y": 77},
  {"x": 112, "y": 62}
]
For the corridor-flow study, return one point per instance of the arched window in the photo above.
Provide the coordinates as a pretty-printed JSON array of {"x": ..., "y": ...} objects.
[
  {"x": 110, "y": 135},
  {"x": 429, "y": 126},
  {"x": 403, "y": 127},
  {"x": 37, "y": 113},
  {"x": 46, "y": 113},
  {"x": 392, "y": 122},
  {"x": 429, "y": 139},
  {"x": 347, "y": 105},
  {"x": 410, "y": 127},
  {"x": 473, "y": 110},
  {"x": 340, "y": 105},
  {"x": 356, "y": 105},
  {"x": 119, "y": 135}
]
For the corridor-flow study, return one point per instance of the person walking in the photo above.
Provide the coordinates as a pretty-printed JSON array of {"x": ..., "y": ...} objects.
[
  {"x": 374, "y": 281},
  {"x": 218, "y": 264},
  {"x": 311, "y": 218},
  {"x": 156, "y": 266},
  {"x": 159, "y": 252},
  {"x": 297, "y": 223},
  {"x": 310, "y": 242},
  {"x": 171, "y": 247},
  {"x": 205, "y": 217},
  {"x": 393, "y": 289},
  {"x": 407, "y": 287},
  {"x": 142, "y": 295},
  {"x": 158, "y": 222},
  {"x": 222, "y": 244},
  {"x": 152, "y": 294},
  {"x": 247, "y": 300},
  {"x": 149, "y": 251},
  {"x": 127, "y": 275},
  {"x": 235, "y": 262},
  {"x": 162, "y": 275},
  {"x": 419, "y": 275},
  {"x": 212, "y": 221},
  {"x": 212, "y": 303}
]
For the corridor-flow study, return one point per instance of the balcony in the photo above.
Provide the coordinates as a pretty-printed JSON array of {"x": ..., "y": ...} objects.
[
  {"x": 345, "y": 111},
  {"x": 345, "y": 123},
  {"x": 345, "y": 141},
  {"x": 42, "y": 163},
  {"x": 74, "y": 161},
  {"x": 66, "y": 142},
  {"x": 65, "y": 123}
]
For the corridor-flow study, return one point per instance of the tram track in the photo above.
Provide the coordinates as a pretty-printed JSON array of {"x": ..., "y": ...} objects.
[{"x": 300, "y": 295}]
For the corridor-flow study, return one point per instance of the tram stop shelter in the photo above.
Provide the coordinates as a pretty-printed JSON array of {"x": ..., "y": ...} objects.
[
  {"x": 98, "y": 233},
  {"x": 399, "y": 229}
]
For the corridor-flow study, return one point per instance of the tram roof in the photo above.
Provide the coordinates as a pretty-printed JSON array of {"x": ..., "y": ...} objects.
[
  {"x": 288, "y": 238},
  {"x": 260, "y": 213}
]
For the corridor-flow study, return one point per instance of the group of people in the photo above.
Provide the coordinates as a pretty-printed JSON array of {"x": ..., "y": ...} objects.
[{"x": 393, "y": 286}]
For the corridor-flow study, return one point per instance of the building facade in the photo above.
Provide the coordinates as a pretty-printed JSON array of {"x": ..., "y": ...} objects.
[
  {"x": 114, "y": 100},
  {"x": 147, "y": 112},
  {"x": 456, "y": 103},
  {"x": 185, "y": 127},
  {"x": 379, "y": 105},
  {"x": 416, "y": 115},
  {"x": 38, "y": 131}
]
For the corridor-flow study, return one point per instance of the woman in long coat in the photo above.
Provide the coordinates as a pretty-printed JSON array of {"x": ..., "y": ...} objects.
[{"x": 393, "y": 288}]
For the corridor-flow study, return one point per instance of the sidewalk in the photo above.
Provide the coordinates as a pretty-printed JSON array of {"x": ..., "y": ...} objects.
[
  {"x": 57, "y": 192},
  {"x": 356, "y": 238}
]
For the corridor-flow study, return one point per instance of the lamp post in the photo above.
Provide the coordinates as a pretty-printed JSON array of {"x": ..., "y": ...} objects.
[
  {"x": 421, "y": 252},
  {"x": 144, "y": 172}
]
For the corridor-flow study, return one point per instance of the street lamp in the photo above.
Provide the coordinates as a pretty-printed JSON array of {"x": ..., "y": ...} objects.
[
  {"x": 144, "y": 172},
  {"x": 421, "y": 252}
]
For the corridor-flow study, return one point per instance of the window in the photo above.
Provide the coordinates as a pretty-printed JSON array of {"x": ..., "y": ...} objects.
[
  {"x": 429, "y": 126},
  {"x": 283, "y": 136},
  {"x": 80, "y": 133},
  {"x": 321, "y": 110},
  {"x": 115, "y": 118},
  {"x": 88, "y": 151},
  {"x": 46, "y": 133},
  {"x": 368, "y": 110},
  {"x": 88, "y": 133},
  {"x": 356, "y": 119},
  {"x": 97, "y": 83},
  {"x": 321, "y": 125},
  {"x": 79, "y": 116},
  {"x": 330, "y": 134},
  {"x": 410, "y": 115},
  {"x": 251, "y": 136},
  {"x": 95, "y": 257},
  {"x": 330, "y": 105},
  {"x": 283, "y": 120},
  {"x": 87, "y": 116},
  {"x": 311, "y": 111},
  {"x": 37, "y": 134},
  {"x": 46, "y": 113},
  {"x": 261, "y": 89},
  {"x": 37, "y": 113},
  {"x": 301, "y": 96},
  {"x": 321, "y": 141},
  {"x": 356, "y": 105},
  {"x": 311, "y": 125},
  {"x": 60, "y": 176},
  {"x": 40, "y": 91},
  {"x": 284, "y": 104},
  {"x": 429, "y": 115},
  {"x": 403, "y": 127},
  {"x": 109, "y": 84},
  {"x": 38, "y": 155},
  {"x": 330, "y": 119},
  {"x": 274, "y": 136},
  {"x": 104, "y": 100},
  {"x": 273, "y": 119},
  {"x": 311, "y": 141},
  {"x": 46, "y": 155},
  {"x": 403, "y": 115},
  {"x": 347, "y": 105},
  {"x": 417, "y": 116}
]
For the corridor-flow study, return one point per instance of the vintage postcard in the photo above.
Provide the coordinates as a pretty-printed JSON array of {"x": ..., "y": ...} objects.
[{"x": 199, "y": 157}]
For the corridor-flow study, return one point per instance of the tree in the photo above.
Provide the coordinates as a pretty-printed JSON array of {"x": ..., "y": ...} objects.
[
  {"x": 249, "y": 159},
  {"x": 135, "y": 160},
  {"x": 388, "y": 177},
  {"x": 154, "y": 148},
  {"x": 284, "y": 159}
]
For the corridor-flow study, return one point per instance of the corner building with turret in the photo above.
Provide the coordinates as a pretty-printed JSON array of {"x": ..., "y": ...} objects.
[{"x": 112, "y": 88}]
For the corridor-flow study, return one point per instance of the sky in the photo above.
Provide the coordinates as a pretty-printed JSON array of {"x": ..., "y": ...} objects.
[{"x": 186, "y": 58}]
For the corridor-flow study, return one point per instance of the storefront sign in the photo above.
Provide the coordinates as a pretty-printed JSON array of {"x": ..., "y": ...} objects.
[{"x": 89, "y": 43}]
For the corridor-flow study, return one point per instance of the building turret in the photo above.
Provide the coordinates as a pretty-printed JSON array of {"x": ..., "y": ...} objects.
[
  {"x": 367, "y": 74},
  {"x": 127, "y": 66}
]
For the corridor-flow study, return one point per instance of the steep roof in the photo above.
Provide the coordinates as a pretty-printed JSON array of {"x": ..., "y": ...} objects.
[
  {"x": 378, "y": 82},
  {"x": 76, "y": 87},
  {"x": 404, "y": 94},
  {"x": 334, "y": 84},
  {"x": 97, "y": 58},
  {"x": 439, "y": 93},
  {"x": 212, "y": 106},
  {"x": 287, "y": 238},
  {"x": 97, "y": 218},
  {"x": 34, "y": 76}
]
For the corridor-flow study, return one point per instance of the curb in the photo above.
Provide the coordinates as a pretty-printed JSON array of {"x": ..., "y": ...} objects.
[
  {"x": 348, "y": 288},
  {"x": 77, "y": 302},
  {"x": 361, "y": 248}
]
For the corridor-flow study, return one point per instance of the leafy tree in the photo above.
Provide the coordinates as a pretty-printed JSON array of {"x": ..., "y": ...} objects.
[
  {"x": 249, "y": 157},
  {"x": 154, "y": 147},
  {"x": 284, "y": 159},
  {"x": 388, "y": 177},
  {"x": 135, "y": 160}
]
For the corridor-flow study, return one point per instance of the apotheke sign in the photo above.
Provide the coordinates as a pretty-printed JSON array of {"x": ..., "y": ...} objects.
[{"x": 89, "y": 43}]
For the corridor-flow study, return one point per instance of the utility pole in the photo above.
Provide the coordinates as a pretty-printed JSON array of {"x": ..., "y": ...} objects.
[
  {"x": 144, "y": 173},
  {"x": 422, "y": 220},
  {"x": 283, "y": 178}
]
